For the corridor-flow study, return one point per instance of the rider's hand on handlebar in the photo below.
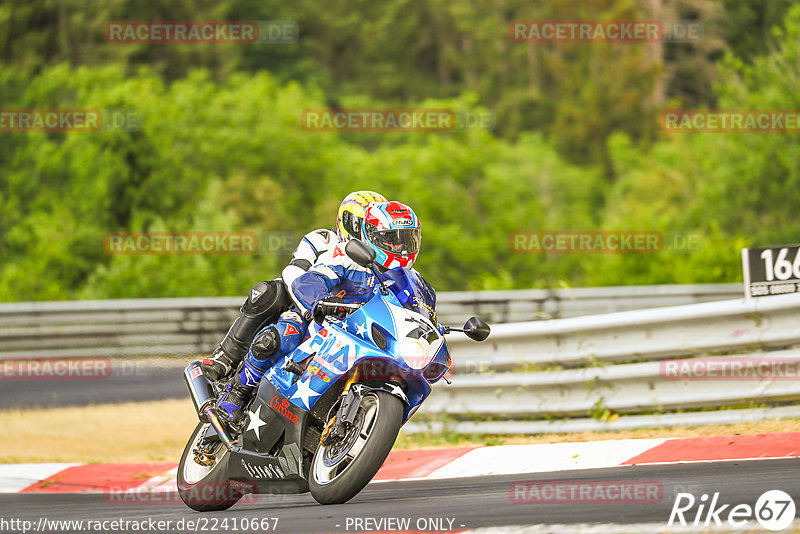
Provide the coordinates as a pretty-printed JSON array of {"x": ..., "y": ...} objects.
[{"x": 331, "y": 306}]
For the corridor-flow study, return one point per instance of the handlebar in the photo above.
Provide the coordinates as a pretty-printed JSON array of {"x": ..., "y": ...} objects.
[{"x": 348, "y": 305}]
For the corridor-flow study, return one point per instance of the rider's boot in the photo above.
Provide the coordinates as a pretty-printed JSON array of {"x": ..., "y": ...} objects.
[
  {"x": 219, "y": 365},
  {"x": 230, "y": 405}
]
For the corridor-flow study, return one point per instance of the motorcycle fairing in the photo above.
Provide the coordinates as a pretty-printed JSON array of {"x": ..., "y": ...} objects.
[
  {"x": 338, "y": 346},
  {"x": 272, "y": 417}
]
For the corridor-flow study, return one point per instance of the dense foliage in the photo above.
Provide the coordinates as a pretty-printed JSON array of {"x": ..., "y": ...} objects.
[{"x": 576, "y": 145}]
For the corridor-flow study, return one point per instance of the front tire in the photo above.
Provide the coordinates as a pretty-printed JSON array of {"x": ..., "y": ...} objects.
[
  {"x": 206, "y": 488},
  {"x": 338, "y": 473}
]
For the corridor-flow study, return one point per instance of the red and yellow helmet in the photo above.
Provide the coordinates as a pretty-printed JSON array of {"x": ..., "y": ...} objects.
[{"x": 351, "y": 213}]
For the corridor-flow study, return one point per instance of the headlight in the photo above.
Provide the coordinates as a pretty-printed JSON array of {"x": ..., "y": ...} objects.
[{"x": 413, "y": 353}]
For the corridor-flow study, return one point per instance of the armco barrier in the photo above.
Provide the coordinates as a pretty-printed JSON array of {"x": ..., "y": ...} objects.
[
  {"x": 178, "y": 327},
  {"x": 529, "y": 376},
  {"x": 615, "y": 369},
  {"x": 638, "y": 335}
]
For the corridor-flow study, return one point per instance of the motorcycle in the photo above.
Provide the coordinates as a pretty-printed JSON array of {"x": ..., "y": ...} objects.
[{"x": 325, "y": 418}]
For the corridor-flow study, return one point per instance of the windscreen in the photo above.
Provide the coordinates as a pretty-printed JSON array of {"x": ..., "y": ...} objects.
[{"x": 413, "y": 292}]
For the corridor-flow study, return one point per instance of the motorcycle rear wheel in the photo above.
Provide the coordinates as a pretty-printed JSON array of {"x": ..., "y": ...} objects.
[
  {"x": 340, "y": 470},
  {"x": 206, "y": 488}
]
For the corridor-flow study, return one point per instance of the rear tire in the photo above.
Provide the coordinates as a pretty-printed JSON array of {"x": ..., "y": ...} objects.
[
  {"x": 341, "y": 482},
  {"x": 206, "y": 489}
]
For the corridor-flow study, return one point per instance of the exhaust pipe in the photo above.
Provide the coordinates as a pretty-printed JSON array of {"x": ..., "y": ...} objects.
[
  {"x": 199, "y": 387},
  {"x": 203, "y": 398}
]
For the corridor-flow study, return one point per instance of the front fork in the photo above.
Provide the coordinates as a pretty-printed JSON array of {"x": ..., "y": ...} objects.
[{"x": 346, "y": 414}]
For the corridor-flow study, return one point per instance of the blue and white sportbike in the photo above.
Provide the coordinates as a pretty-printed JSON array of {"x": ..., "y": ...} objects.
[{"x": 325, "y": 418}]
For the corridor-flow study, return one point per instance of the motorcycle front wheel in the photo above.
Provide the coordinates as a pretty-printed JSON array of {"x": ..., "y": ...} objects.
[{"x": 341, "y": 469}]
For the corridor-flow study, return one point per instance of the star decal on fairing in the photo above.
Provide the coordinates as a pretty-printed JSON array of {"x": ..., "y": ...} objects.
[
  {"x": 270, "y": 374},
  {"x": 304, "y": 393},
  {"x": 256, "y": 422},
  {"x": 398, "y": 392},
  {"x": 361, "y": 329}
]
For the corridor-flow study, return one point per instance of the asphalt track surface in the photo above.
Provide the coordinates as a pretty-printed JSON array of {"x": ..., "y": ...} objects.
[{"x": 469, "y": 502}]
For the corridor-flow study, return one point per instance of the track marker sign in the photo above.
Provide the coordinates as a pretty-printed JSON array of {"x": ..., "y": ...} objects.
[{"x": 771, "y": 270}]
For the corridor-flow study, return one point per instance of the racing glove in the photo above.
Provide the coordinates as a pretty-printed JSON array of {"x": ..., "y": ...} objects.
[{"x": 331, "y": 306}]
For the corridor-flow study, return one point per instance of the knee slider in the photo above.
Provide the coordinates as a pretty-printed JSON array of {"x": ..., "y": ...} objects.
[{"x": 267, "y": 343}]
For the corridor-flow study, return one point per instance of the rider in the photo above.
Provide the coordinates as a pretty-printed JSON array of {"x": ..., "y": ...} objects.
[
  {"x": 392, "y": 229},
  {"x": 267, "y": 300}
]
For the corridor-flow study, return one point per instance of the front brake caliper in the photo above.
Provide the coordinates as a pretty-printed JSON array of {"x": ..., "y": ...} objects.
[
  {"x": 347, "y": 412},
  {"x": 326, "y": 432}
]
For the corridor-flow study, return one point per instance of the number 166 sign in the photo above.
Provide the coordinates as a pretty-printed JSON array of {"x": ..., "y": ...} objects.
[{"x": 771, "y": 270}]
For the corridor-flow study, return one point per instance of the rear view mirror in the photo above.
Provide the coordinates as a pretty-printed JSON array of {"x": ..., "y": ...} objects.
[
  {"x": 360, "y": 252},
  {"x": 477, "y": 329}
]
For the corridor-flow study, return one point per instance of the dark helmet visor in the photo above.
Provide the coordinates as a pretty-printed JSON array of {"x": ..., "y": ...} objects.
[{"x": 401, "y": 241}]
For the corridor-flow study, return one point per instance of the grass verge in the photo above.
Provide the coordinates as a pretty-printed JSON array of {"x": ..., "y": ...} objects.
[
  {"x": 126, "y": 432},
  {"x": 158, "y": 431}
]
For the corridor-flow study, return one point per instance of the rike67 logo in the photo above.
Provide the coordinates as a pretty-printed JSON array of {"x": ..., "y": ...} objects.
[{"x": 774, "y": 510}]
